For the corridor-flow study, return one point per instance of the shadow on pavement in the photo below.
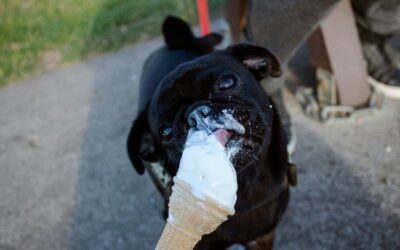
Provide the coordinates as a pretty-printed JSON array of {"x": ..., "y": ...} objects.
[
  {"x": 114, "y": 207},
  {"x": 332, "y": 208}
]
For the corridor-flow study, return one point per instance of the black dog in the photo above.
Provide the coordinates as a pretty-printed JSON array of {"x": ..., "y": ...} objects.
[{"x": 186, "y": 77}]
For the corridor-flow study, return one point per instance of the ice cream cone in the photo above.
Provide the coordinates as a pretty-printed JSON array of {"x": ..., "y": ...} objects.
[{"x": 190, "y": 217}]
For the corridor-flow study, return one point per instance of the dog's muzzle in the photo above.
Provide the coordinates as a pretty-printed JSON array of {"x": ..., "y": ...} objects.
[
  {"x": 200, "y": 118},
  {"x": 206, "y": 118}
]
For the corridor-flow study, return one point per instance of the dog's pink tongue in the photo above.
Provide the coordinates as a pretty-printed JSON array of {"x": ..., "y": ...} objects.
[{"x": 222, "y": 136}]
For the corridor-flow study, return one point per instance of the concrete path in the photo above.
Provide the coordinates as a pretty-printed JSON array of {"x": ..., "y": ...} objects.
[{"x": 66, "y": 181}]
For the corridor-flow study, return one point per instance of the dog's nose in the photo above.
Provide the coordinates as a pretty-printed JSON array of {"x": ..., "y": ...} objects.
[{"x": 199, "y": 118}]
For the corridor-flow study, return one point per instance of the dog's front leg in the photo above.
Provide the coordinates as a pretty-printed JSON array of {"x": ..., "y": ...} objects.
[{"x": 263, "y": 242}]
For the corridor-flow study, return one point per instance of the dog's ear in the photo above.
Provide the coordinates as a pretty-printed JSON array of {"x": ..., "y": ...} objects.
[
  {"x": 141, "y": 144},
  {"x": 207, "y": 43},
  {"x": 178, "y": 35},
  {"x": 278, "y": 147},
  {"x": 260, "y": 61}
]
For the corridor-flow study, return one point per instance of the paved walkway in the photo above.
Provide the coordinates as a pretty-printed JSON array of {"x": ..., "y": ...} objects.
[{"x": 66, "y": 181}]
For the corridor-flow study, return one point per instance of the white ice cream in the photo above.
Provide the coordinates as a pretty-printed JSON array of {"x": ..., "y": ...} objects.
[{"x": 206, "y": 166}]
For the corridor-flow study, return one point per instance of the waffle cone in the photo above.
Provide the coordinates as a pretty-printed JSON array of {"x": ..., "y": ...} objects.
[{"x": 190, "y": 218}]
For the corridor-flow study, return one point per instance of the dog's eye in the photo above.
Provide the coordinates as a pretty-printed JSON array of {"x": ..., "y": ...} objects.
[
  {"x": 227, "y": 82},
  {"x": 166, "y": 133}
]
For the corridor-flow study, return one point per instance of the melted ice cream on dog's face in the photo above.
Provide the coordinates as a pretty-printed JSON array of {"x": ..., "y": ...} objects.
[
  {"x": 205, "y": 165},
  {"x": 224, "y": 121}
]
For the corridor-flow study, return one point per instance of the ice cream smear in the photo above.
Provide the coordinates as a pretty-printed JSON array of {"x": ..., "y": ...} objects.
[{"x": 205, "y": 165}]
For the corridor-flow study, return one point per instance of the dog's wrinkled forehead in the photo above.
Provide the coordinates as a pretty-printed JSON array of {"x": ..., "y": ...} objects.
[{"x": 209, "y": 77}]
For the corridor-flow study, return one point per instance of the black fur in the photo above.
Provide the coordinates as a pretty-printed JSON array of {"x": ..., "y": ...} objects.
[
  {"x": 178, "y": 35},
  {"x": 184, "y": 75}
]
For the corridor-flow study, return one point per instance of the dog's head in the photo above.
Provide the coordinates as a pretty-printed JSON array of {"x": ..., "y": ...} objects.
[{"x": 217, "y": 90}]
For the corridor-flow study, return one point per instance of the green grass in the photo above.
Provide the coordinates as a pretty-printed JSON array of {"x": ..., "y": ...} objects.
[{"x": 74, "y": 29}]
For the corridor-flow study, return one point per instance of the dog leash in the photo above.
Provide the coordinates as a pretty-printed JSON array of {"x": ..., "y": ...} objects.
[{"x": 204, "y": 19}]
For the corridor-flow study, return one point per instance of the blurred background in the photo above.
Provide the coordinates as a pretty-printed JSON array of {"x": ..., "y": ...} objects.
[
  {"x": 41, "y": 35},
  {"x": 69, "y": 76}
]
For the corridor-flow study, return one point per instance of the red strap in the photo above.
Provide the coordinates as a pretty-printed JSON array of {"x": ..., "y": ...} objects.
[{"x": 204, "y": 19}]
